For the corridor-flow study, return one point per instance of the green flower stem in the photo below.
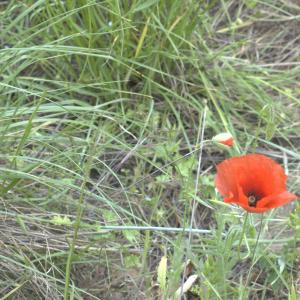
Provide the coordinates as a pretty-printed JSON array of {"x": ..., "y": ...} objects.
[
  {"x": 253, "y": 255},
  {"x": 242, "y": 234}
]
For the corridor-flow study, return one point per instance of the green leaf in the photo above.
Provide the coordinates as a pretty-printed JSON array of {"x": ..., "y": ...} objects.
[
  {"x": 251, "y": 3},
  {"x": 292, "y": 293},
  {"x": 162, "y": 273},
  {"x": 131, "y": 235},
  {"x": 186, "y": 166},
  {"x": 132, "y": 261},
  {"x": 21, "y": 223},
  {"x": 163, "y": 178},
  {"x": 145, "y": 4},
  {"x": 61, "y": 221},
  {"x": 109, "y": 217}
]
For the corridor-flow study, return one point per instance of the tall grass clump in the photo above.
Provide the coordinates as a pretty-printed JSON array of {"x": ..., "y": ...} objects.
[{"x": 106, "y": 165}]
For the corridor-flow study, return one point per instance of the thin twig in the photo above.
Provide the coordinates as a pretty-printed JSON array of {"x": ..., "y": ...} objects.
[
  {"x": 198, "y": 171},
  {"x": 154, "y": 228}
]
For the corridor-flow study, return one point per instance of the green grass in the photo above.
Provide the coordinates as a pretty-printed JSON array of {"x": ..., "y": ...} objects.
[{"x": 101, "y": 104}]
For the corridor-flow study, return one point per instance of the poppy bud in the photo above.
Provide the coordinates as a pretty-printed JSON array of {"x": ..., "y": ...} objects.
[{"x": 224, "y": 138}]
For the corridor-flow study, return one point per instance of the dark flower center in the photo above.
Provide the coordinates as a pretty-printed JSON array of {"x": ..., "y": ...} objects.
[{"x": 253, "y": 198}]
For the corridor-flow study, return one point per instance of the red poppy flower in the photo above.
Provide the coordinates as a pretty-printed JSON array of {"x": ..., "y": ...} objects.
[{"x": 255, "y": 182}]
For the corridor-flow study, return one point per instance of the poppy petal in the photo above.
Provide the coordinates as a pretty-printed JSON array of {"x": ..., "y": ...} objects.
[
  {"x": 276, "y": 200},
  {"x": 269, "y": 174},
  {"x": 257, "y": 210},
  {"x": 258, "y": 173},
  {"x": 230, "y": 198},
  {"x": 226, "y": 182}
]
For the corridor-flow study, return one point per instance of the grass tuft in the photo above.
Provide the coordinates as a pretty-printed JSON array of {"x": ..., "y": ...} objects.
[{"x": 104, "y": 107}]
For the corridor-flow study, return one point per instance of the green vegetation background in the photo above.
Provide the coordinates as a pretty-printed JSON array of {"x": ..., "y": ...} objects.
[{"x": 95, "y": 97}]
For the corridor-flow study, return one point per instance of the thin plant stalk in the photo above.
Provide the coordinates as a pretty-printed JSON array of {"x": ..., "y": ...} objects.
[
  {"x": 73, "y": 242},
  {"x": 196, "y": 190},
  {"x": 77, "y": 221},
  {"x": 253, "y": 255},
  {"x": 242, "y": 234}
]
